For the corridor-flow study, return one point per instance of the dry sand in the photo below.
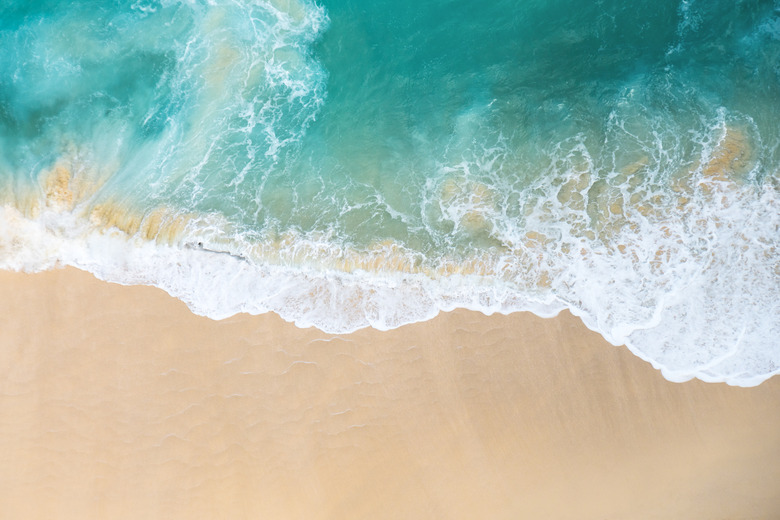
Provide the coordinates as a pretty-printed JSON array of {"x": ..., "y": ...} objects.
[{"x": 117, "y": 402}]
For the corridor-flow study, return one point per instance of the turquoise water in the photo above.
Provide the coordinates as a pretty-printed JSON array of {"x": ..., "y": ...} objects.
[{"x": 351, "y": 163}]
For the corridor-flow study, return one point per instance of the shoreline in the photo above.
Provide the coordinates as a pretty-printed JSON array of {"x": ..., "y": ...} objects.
[{"x": 118, "y": 402}]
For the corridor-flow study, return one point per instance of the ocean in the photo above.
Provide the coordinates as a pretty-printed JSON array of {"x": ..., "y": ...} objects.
[{"x": 354, "y": 163}]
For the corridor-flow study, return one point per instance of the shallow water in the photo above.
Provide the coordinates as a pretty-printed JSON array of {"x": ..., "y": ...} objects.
[{"x": 348, "y": 163}]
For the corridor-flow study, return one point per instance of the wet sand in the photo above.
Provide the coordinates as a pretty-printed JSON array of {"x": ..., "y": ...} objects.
[{"x": 117, "y": 402}]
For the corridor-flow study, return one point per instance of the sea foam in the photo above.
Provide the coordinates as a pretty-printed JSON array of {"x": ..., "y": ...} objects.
[
  {"x": 208, "y": 150},
  {"x": 685, "y": 276}
]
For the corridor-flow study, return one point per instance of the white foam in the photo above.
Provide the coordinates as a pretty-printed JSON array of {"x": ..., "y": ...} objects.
[
  {"x": 709, "y": 309},
  {"x": 691, "y": 286}
]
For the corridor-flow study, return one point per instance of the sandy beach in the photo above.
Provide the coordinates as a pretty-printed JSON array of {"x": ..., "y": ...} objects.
[{"x": 117, "y": 402}]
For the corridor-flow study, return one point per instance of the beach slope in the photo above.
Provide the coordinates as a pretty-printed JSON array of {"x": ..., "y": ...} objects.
[{"x": 117, "y": 402}]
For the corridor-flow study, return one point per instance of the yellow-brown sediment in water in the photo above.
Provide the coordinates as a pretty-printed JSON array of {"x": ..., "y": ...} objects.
[
  {"x": 69, "y": 183},
  {"x": 624, "y": 199},
  {"x": 605, "y": 208},
  {"x": 110, "y": 215},
  {"x": 480, "y": 198},
  {"x": 58, "y": 193},
  {"x": 609, "y": 200},
  {"x": 602, "y": 208},
  {"x": 570, "y": 193},
  {"x": 731, "y": 159},
  {"x": 384, "y": 256},
  {"x": 164, "y": 226},
  {"x": 28, "y": 203},
  {"x": 161, "y": 225}
]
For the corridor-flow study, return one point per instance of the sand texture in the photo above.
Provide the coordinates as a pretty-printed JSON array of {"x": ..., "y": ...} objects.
[{"x": 117, "y": 402}]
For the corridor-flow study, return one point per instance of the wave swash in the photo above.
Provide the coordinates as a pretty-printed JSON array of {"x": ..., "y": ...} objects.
[{"x": 279, "y": 156}]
